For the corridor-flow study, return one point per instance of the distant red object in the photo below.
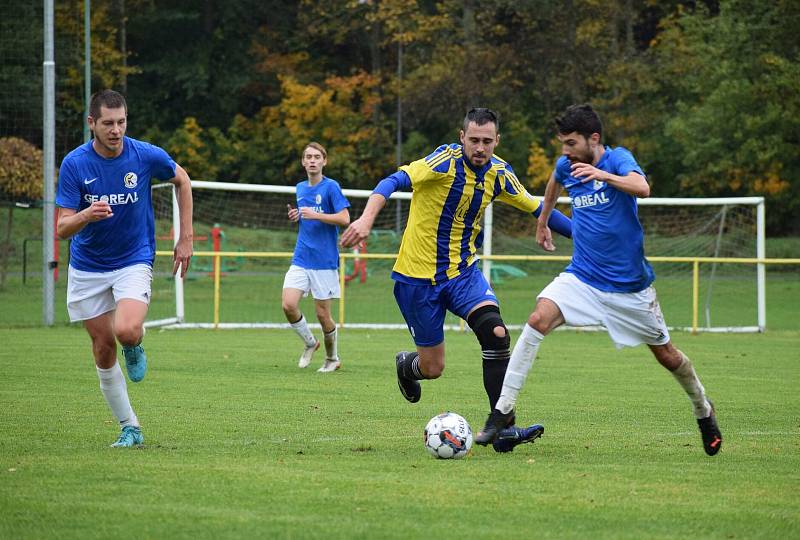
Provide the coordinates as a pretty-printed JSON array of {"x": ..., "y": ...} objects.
[{"x": 359, "y": 265}]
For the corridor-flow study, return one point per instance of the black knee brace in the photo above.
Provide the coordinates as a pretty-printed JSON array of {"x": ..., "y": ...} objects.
[{"x": 483, "y": 321}]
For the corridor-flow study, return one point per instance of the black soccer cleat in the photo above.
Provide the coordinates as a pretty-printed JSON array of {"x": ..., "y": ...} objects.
[
  {"x": 410, "y": 388},
  {"x": 494, "y": 423},
  {"x": 509, "y": 438},
  {"x": 709, "y": 430}
]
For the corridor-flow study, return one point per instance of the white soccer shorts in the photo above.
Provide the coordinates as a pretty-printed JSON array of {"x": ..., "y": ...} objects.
[
  {"x": 630, "y": 318},
  {"x": 90, "y": 294},
  {"x": 323, "y": 284}
]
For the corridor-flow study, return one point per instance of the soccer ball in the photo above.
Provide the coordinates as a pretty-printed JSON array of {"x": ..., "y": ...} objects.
[{"x": 448, "y": 436}]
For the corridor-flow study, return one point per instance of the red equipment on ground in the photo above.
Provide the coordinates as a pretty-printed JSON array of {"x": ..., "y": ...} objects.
[{"x": 359, "y": 265}]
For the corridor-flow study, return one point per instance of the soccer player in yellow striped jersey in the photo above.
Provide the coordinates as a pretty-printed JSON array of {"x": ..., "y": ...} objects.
[
  {"x": 435, "y": 270},
  {"x": 450, "y": 196}
]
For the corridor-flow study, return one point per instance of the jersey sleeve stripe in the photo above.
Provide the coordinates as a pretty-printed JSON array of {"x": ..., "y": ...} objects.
[
  {"x": 514, "y": 182},
  {"x": 443, "y": 152},
  {"x": 436, "y": 165}
]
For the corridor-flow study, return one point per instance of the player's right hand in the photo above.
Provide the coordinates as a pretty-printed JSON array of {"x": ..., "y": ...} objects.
[
  {"x": 293, "y": 213},
  {"x": 97, "y": 211},
  {"x": 355, "y": 233},
  {"x": 544, "y": 237}
]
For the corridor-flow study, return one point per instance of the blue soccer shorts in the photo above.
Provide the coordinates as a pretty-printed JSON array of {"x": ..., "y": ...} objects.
[{"x": 424, "y": 306}]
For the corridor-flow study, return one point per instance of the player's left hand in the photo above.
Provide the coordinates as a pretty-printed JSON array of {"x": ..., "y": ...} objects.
[
  {"x": 308, "y": 213},
  {"x": 181, "y": 256},
  {"x": 587, "y": 172}
]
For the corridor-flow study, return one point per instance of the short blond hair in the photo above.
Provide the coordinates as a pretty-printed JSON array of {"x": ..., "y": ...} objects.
[{"x": 316, "y": 146}]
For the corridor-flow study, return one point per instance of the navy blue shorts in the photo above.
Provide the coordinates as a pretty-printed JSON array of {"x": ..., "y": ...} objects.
[{"x": 423, "y": 306}]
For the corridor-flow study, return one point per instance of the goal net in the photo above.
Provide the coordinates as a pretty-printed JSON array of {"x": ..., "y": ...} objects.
[{"x": 722, "y": 291}]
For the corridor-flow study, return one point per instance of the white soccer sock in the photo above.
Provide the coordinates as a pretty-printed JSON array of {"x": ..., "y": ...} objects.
[
  {"x": 330, "y": 345},
  {"x": 302, "y": 329},
  {"x": 687, "y": 378},
  {"x": 522, "y": 358},
  {"x": 115, "y": 390}
]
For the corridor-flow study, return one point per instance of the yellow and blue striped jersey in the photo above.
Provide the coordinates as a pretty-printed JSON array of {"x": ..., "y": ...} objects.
[{"x": 449, "y": 197}]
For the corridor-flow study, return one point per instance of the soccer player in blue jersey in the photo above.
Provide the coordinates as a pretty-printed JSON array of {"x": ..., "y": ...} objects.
[
  {"x": 609, "y": 281},
  {"x": 436, "y": 267},
  {"x": 321, "y": 209},
  {"x": 105, "y": 207}
]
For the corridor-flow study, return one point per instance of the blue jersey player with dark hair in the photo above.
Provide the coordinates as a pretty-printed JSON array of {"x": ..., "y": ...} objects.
[
  {"x": 609, "y": 281},
  {"x": 105, "y": 208},
  {"x": 436, "y": 269},
  {"x": 321, "y": 209}
]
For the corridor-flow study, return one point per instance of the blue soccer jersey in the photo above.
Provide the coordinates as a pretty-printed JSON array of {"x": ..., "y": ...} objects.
[
  {"x": 317, "y": 242},
  {"x": 128, "y": 236},
  {"x": 607, "y": 235}
]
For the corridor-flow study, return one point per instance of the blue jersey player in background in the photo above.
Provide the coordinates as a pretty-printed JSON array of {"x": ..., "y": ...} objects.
[
  {"x": 321, "y": 209},
  {"x": 609, "y": 281},
  {"x": 105, "y": 208},
  {"x": 436, "y": 269}
]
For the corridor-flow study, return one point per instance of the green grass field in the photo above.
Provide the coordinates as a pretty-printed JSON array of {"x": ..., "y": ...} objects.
[{"x": 240, "y": 443}]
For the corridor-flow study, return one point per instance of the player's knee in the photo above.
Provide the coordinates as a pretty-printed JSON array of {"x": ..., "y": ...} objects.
[
  {"x": 489, "y": 328},
  {"x": 668, "y": 356},
  {"x": 324, "y": 317},
  {"x": 288, "y": 308},
  {"x": 539, "y": 323},
  {"x": 129, "y": 334}
]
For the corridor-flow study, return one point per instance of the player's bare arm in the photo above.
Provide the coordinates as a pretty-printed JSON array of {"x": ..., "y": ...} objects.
[
  {"x": 632, "y": 184},
  {"x": 360, "y": 228},
  {"x": 544, "y": 236},
  {"x": 71, "y": 222},
  {"x": 182, "y": 253},
  {"x": 340, "y": 218}
]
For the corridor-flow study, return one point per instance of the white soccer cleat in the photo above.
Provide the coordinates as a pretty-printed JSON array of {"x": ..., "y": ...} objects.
[
  {"x": 329, "y": 366},
  {"x": 308, "y": 352}
]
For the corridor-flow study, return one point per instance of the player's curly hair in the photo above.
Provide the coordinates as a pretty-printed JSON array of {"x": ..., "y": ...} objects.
[{"x": 581, "y": 119}]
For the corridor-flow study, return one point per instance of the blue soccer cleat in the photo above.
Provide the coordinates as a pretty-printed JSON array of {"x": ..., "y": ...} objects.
[
  {"x": 135, "y": 362},
  {"x": 509, "y": 438},
  {"x": 129, "y": 437}
]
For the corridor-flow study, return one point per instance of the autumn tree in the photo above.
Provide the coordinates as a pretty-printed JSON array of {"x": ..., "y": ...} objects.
[
  {"x": 718, "y": 110},
  {"x": 21, "y": 168}
]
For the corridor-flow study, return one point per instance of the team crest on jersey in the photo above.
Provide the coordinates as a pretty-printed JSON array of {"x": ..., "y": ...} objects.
[
  {"x": 598, "y": 185},
  {"x": 130, "y": 180},
  {"x": 318, "y": 198}
]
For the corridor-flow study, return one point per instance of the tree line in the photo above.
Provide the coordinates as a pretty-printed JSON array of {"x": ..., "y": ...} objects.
[{"x": 703, "y": 92}]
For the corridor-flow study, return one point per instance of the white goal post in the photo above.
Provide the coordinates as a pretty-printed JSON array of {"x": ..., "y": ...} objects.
[{"x": 708, "y": 254}]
